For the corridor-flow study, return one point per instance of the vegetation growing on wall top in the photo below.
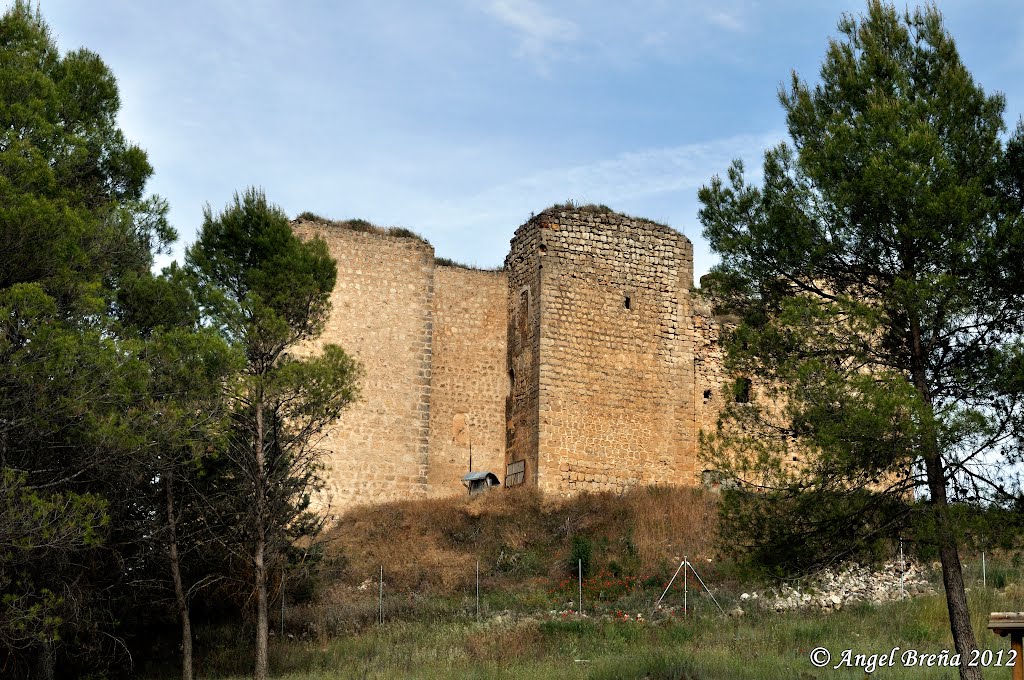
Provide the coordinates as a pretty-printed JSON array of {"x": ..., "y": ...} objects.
[
  {"x": 361, "y": 225},
  {"x": 597, "y": 209},
  {"x": 400, "y": 232},
  {"x": 448, "y": 262}
]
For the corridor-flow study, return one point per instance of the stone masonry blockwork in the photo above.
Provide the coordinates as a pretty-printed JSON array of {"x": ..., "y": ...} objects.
[
  {"x": 615, "y": 352},
  {"x": 588, "y": 362}
]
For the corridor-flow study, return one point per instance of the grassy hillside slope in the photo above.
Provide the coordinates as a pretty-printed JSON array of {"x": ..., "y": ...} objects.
[{"x": 432, "y": 546}]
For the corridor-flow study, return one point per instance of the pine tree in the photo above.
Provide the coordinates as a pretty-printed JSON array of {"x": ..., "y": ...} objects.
[
  {"x": 269, "y": 294},
  {"x": 74, "y": 222},
  {"x": 877, "y": 274}
]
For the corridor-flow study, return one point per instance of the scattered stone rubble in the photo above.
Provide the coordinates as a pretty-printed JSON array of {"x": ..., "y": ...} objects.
[{"x": 832, "y": 590}]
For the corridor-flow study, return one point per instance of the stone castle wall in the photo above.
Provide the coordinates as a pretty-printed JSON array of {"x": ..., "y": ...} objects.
[
  {"x": 382, "y": 308},
  {"x": 523, "y": 265},
  {"x": 468, "y": 384},
  {"x": 709, "y": 358},
  {"x": 615, "y": 351},
  {"x": 586, "y": 364}
]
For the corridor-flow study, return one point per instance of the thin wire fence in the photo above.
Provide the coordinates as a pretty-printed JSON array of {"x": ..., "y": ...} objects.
[
  {"x": 378, "y": 602},
  {"x": 684, "y": 592}
]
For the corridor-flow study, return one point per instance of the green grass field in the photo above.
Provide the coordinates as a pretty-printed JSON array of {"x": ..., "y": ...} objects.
[
  {"x": 441, "y": 638},
  {"x": 526, "y": 546}
]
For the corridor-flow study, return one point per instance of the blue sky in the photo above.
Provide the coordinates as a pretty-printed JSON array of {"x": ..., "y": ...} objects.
[{"x": 459, "y": 119}]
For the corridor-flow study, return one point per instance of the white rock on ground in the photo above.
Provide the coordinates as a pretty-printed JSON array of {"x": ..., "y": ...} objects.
[{"x": 834, "y": 589}]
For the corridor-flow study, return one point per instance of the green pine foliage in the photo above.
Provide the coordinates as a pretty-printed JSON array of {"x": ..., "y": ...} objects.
[
  {"x": 877, "y": 276},
  {"x": 72, "y": 206},
  {"x": 100, "y": 370},
  {"x": 268, "y": 293}
]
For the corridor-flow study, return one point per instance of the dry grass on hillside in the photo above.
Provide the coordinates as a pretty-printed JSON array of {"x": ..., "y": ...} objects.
[{"x": 432, "y": 546}]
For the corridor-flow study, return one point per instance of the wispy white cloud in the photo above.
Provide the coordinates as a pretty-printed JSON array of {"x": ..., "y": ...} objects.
[
  {"x": 476, "y": 227},
  {"x": 406, "y": 113},
  {"x": 623, "y": 178},
  {"x": 542, "y": 35},
  {"x": 728, "y": 20}
]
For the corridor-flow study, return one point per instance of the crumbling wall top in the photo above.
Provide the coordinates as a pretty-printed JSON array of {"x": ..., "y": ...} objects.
[{"x": 323, "y": 224}]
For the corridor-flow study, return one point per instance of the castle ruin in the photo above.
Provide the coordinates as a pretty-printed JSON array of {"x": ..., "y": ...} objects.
[{"x": 587, "y": 363}]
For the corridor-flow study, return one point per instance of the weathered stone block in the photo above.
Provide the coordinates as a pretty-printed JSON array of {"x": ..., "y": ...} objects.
[{"x": 605, "y": 339}]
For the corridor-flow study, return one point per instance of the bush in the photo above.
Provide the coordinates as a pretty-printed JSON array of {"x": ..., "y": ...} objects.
[{"x": 580, "y": 555}]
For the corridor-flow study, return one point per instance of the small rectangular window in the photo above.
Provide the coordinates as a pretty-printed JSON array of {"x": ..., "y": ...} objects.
[{"x": 515, "y": 473}]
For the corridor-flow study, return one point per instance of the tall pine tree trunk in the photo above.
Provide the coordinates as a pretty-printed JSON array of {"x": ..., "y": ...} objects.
[
  {"x": 952, "y": 574},
  {"x": 262, "y": 620},
  {"x": 179, "y": 589},
  {"x": 46, "y": 662},
  {"x": 949, "y": 556},
  {"x": 260, "y": 549}
]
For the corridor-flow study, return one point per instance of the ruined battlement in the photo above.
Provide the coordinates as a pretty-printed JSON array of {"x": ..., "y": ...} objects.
[{"x": 585, "y": 364}]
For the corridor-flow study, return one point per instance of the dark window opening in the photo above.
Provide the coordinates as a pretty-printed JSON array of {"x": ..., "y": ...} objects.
[
  {"x": 629, "y": 302},
  {"x": 707, "y": 394},
  {"x": 742, "y": 390},
  {"x": 523, "y": 315}
]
